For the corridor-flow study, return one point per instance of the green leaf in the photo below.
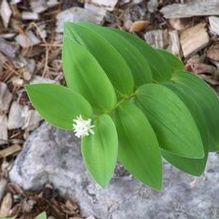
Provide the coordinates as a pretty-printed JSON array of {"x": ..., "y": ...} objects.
[
  {"x": 173, "y": 123},
  {"x": 189, "y": 96},
  {"x": 41, "y": 216},
  {"x": 138, "y": 146},
  {"x": 161, "y": 70},
  {"x": 174, "y": 63},
  {"x": 194, "y": 167},
  {"x": 135, "y": 60},
  {"x": 108, "y": 57},
  {"x": 207, "y": 100},
  {"x": 85, "y": 76},
  {"x": 100, "y": 150},
  {"x": 58, "y": 105}
]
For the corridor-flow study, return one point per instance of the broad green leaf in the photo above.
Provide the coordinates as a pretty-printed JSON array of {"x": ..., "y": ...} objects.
[
  {"x": 161, "y": 70},
  {"x": 100, "y": 150},
  {"x": 207, "y": 100},
  {"x": 41, "y": 216},
  {"x": 189, "y": 97},
  {"x": 108, "y": 57},
  {"x": 85, "y": 76},
  {"x": 174, "y": 63},
  {"x": 135, "y": 60},
  {"x": 173, "y": 123},
  {"x": 194, "y": 167},
  {"x": 58, "y": 105},
  {"x": 138, "y": 146}
]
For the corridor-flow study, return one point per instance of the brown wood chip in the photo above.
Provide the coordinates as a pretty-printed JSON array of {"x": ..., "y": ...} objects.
[
  {"x": 6, "y": 205},
  {"x": 157, "y": 38},
  {"x": 5, "y": 12},
  {"x": 3, "y": 184},
  {"x": 7, "y": 48},
  {"x": 214, "y": 24},
  {"x": 5, "y": 98},
  {"x": 191, "y": 9},
  {"x": 213, "y": 52},
  {"x": 193, "y": 39},
  {"x": 174, "y": 44},
  {"x": 180, "y": 23},
  {"x": 10, "y": 150},
  {"x": 139, "y": 25},
  {"x": 3, "y": 129}
]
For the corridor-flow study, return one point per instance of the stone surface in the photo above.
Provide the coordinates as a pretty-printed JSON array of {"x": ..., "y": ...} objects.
[{"x": 51, "y": 155}]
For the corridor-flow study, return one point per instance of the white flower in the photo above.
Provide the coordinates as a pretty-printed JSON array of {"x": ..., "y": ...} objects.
[{"x": 82, "y": 127}]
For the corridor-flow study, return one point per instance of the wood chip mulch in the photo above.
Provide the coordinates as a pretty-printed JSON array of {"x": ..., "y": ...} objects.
[{"x": 30, "y": 52}]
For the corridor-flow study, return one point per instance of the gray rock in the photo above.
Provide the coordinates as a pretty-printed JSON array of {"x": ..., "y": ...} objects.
[{"x": 53, "y": 156}]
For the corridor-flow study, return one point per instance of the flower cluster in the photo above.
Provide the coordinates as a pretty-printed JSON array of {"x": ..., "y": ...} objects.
[{"x": 82, "y": 127}]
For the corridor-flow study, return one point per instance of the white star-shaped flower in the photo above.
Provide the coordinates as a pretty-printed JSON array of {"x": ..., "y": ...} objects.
[{"x": 82, "y": 127}]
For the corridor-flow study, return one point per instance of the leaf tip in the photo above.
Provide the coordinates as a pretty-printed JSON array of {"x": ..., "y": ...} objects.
[
  {"x": 28, "y": 88},
  {"x": 159, "y": 186},
  {"x": 104, "y": 184}
]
